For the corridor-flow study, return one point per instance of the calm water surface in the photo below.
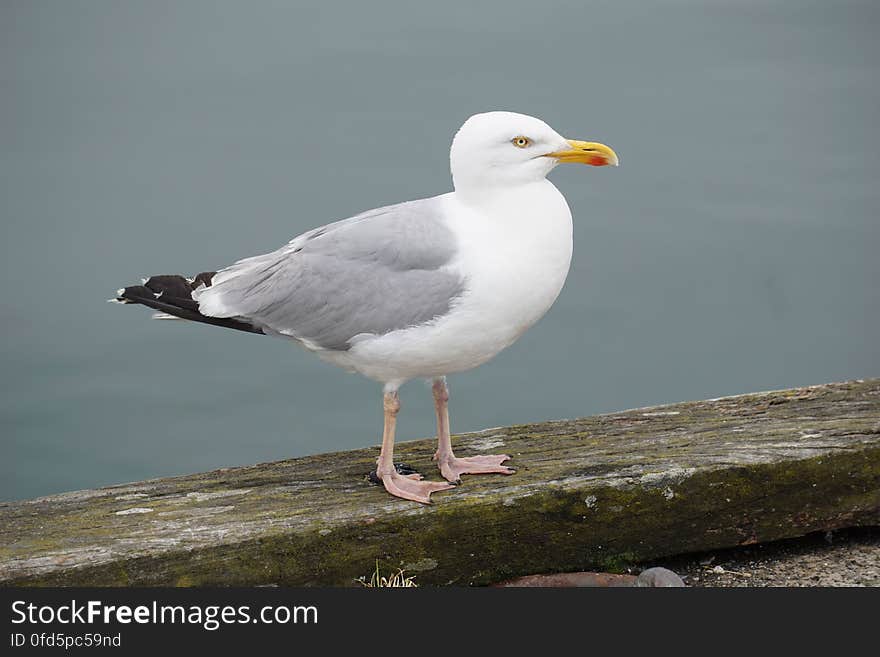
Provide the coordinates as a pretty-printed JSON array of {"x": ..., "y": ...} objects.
[{"x": 734, "y": 250}]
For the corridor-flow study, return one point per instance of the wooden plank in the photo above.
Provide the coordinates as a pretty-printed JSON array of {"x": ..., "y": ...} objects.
[{"x": 589, "y": 494}]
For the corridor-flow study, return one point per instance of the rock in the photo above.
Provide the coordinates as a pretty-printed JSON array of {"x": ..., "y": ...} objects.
[{"x": 658, "y": 577}]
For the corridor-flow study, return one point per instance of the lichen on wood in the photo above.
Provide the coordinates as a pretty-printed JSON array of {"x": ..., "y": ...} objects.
[{"x": 595, "y": 493}]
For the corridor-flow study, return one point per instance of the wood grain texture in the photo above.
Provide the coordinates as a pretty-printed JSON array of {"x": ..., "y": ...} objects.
[{"x": 595, "y": 493}]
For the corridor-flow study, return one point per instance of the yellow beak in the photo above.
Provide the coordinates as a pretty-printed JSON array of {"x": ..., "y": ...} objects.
[{"x": 587, "y": 152}]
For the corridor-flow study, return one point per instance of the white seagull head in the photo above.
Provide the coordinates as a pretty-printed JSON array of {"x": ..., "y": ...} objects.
[{"x": 502, "y": 149}]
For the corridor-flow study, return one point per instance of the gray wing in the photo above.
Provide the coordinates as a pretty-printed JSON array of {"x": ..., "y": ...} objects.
[{"x": 377, "y": 272}]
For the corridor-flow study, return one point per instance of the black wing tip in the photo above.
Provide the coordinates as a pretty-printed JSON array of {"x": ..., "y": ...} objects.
[
  {"x": 172, "y": 294},
  {"x": 171, "y": 285}
]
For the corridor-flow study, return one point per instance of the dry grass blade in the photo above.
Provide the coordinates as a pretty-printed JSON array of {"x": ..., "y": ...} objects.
[{"x": 395, "y": 580}]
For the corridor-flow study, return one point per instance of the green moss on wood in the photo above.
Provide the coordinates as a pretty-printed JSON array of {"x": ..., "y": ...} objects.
[{"x": 594, "y": 493}]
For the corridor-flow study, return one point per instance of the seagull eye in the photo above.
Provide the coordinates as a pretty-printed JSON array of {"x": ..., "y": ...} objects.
[{"x": 521, "y": 142}]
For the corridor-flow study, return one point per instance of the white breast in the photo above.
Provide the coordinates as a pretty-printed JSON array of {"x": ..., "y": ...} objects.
[{"x": 514, "y": 254}]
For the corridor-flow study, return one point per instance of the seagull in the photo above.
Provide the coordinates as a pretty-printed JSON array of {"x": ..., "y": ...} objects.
[{"x": 421, "y": 289}]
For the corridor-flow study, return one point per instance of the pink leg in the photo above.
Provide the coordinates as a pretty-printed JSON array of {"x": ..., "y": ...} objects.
[
  {"x": 409, "y": 487},
  {"x": 452, "y": 467}
]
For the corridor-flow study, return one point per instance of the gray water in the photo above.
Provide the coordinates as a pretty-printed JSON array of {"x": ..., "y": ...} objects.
[{"x": 734, "y": 250}]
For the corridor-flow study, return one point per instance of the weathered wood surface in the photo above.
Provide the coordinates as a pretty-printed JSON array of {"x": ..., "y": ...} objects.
[{"x": 589, "y": 494}]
